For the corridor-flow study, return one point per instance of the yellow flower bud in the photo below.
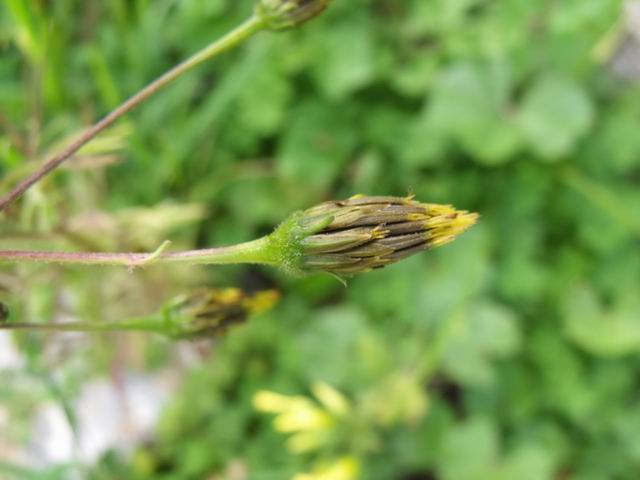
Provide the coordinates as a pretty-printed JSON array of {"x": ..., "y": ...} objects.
[
  {"x": 364, "y": 233},
  {"x": 210, "y": 312}
]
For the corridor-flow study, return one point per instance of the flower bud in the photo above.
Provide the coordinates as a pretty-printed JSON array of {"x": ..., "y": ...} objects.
[
  {"x": 364, "y": 233},
  {"x": 205, "y": 313},
  {"x": 210, "y": 312},
  {"x": 285, "y": 14}
]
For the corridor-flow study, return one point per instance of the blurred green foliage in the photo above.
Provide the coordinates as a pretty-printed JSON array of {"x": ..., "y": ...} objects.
[{"x": 523, "y": 336}]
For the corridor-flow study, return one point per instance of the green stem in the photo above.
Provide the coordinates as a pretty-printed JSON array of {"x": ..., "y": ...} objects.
[
  {"x": 257, "y": 251},
  {"x": 152, "y": 323},
  {"x": 229, "y": 41}
]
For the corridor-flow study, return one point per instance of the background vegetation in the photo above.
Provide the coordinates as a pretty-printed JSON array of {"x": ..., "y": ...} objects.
[{"x": 511, "y": 354}]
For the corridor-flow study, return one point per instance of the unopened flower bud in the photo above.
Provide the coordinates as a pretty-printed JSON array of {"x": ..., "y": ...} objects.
[
  {"x": 210, "y": 312},
  {"x": 285, "y": 14},
  {"x": 364, "y": 233}
]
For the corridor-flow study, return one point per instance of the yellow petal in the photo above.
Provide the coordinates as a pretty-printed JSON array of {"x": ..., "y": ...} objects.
[
  {"x": 303, "y": 419},
  {"x": 345, "y": 468},
  {"x": 333, "y": 400},
  {"x": 272, "y": 402}
]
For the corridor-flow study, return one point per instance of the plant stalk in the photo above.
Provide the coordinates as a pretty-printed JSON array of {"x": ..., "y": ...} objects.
[
  {"x": 234, "y": 38},
  {"x": 152, "y": 323},
  {"x": 256, "y": 251}
]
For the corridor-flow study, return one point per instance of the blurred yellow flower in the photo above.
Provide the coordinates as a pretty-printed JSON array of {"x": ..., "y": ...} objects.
[
  {"x": 312, "y": 423},
  {"x": 345, "y": 468},
  {"x": 303, "y": 419}
]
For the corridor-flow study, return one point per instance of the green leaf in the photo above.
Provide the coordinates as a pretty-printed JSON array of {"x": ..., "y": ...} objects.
[
  {"x": 489, "y": 332},
  {"x": 617, "y": 145},
  {"x": 316, "y": 145},
  {"x": 529, "y": 462},
  {"x": 469, "y": 451},
  {"x": 470, "y": 105},
  {"x": 346, "y": 59},
  {"x": 607, "y": 332},
  {"x": 263, "y": 107},
  {"x": 556, "y": 113},
  {"x": 562, "y": 374}
]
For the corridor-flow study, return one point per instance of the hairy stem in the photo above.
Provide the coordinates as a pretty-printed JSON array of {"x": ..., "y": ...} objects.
[
  {"x": 229, "y": 41},
  {"x": 257, "y": 251}
]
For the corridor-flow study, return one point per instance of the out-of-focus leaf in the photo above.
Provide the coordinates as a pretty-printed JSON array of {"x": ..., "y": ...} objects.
[
  {"x": 318, "y": 142},
  {"x": 488, "y": 332},
  {"x": 469, "y": 451},
  {"x": 346, "y": 59},
  {"x": 555, "y": 114},
  {"x": 603, "y": 331},
  {"x": 528, "y": 462},
  {"x": 471, "y": 105}
]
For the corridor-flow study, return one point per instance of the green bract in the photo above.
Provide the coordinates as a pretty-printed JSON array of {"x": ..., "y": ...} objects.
[{"x": 285, "y": 14}]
